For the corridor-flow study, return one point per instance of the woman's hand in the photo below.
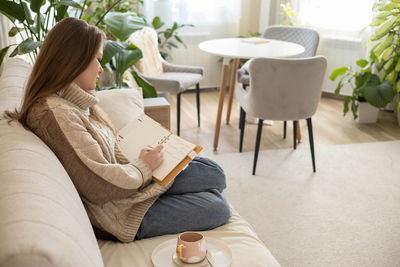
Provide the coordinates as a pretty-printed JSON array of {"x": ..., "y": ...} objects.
[{"x": 153, "y": 157}]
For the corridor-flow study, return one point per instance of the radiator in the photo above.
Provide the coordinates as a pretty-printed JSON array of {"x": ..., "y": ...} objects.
[{"x": 340, "y": 51}]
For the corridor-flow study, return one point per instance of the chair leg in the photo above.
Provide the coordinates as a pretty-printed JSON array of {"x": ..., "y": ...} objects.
[
  {"x": 198, "y": 103},
  {"x": 284, "y": 129},
  {"x": 311, "y": 137},
  {"x": 257, "y": 148},
  {"x": 294, "y": 134},
  {"x": 240, "y": 118},
  {"x": 178, "y": 112},
  {"x": 242, "y": 124}
]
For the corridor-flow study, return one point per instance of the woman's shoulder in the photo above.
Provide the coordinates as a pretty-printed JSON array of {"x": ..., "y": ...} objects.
[
  {"x": 54, "y": 104},
  {"x": 52, "y": 107}
]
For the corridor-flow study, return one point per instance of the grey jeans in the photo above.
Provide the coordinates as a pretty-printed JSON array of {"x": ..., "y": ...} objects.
[{"x": 195, "y": 202}]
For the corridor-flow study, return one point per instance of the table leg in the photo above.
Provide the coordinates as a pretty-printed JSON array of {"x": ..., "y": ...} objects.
[
  {"x": 222, "y": 89},
  {"x": 298, "y": 133},
  {"x": 232, "y": 88}
]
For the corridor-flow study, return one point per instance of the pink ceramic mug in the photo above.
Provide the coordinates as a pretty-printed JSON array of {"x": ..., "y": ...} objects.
[{"x": 191, "y": 247}]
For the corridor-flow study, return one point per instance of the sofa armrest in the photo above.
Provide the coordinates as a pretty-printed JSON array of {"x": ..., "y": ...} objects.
[{"x": 158, "y": 109}]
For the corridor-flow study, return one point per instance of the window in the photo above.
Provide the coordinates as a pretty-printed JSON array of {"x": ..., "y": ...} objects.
[
  {"x": 220, "y": 16},
  {"x": 336, "y": 15}
]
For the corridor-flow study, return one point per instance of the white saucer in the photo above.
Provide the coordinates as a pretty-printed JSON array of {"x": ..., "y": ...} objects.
[
  {"x": 180, "y": 263},
  {"x": 219, "y": 254}
]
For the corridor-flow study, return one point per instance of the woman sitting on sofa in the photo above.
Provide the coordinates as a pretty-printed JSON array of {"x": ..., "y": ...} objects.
[{"x": 121, "y": 200}]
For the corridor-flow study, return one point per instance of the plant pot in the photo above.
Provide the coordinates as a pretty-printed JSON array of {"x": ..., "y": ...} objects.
[
  {"x": 397, "y": 114},
  {"x": 367, "y": 113}
]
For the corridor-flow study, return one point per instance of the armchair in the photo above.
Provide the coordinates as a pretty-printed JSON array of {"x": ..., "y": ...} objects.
[
  {"x": 164, "y": 76},
  {"x": 282, "y": 89}
]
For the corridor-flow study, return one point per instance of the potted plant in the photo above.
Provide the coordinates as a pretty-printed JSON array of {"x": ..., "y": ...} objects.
[
  {"x": 369, "y": 91},
  {"x": 378, "y": 81}
]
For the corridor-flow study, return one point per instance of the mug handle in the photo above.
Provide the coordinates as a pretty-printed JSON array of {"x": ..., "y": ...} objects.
[{"x": 179, "y": 251}]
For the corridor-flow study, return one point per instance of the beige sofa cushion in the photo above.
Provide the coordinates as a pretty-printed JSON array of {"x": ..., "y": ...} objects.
[
  {"x": 121, "y": 105},
  {"x": 146, "y": 39},
  {"x": 42, "y": 217},
  {"x": 238, "y": 235}
]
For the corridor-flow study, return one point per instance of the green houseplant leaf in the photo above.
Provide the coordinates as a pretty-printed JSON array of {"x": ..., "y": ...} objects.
[
  {"x": 125, "y": 59},
  {"x": 36, "y": 4},
  {"x": 376, "y": 93},
  {"x": 26, "y": 46},
  {"x": 345, "y": 79},
  {"x": 338, "y": 72},
  {"x": 122, "y": 25},
  {"x": 157, "y": 23},
  {"x": 147, "y": 88},
  {"x": 12, "y": 10},
  {"x": 383, "y": 29},
  {"x": 362, "y": 63},
  {"x": 111, "y": 48}
]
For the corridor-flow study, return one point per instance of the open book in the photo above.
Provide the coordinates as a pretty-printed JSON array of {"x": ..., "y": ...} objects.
[
  {"x": 254, "y": 40},
  {"x": 143, "y": 132}
]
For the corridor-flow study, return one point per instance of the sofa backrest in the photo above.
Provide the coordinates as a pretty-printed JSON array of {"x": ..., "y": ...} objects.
[{"x": 42, "y": 219}]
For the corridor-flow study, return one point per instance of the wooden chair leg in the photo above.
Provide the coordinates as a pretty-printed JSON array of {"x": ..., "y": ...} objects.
[
  {"x": 284, "y": 129},
  {"x": 198, "y": 103},
  {"x": 178, "y": 112},
  {"x": 257, "y": 148},
  {"x": 294, "y": 134},
  {"x": 242, "y": 125},
  {"x": 311, "y": 137}
]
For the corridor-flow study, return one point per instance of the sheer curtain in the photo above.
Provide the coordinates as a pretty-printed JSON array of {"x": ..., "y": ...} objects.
[
  {"x": 339, "y": 23},
  {"x": 216, "y": 17},
  {"x": 211, "y": 19}
]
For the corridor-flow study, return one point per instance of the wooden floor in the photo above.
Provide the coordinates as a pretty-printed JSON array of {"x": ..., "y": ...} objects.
[{"x": 329, "y": 126}]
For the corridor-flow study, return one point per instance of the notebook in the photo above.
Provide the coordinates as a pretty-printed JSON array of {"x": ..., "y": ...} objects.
[{"x": 143, "y": 132}]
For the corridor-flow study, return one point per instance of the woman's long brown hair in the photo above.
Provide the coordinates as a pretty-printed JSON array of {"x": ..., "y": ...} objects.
[{"x": 66, "y": 52}]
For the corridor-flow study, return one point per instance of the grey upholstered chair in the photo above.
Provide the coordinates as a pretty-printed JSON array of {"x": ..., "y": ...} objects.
[
  {"x": 164, "y": 76},
  {"x": 282, "y": 89},
  {"x": 308, "y": 38}
]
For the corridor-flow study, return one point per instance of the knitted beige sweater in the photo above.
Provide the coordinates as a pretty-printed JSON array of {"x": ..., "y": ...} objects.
[{"x": 116, "y": 193}]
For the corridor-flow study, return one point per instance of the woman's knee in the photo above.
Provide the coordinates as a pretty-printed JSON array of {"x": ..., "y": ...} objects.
[
  {"x": 211, "y": 163},
  {"x": 210, "y": 169},
  {"x": 218, "y": 209}
]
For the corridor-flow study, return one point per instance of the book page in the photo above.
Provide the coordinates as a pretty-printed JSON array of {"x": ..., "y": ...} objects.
[
  {"x": 254, "y": 40},
  {"x": 143, "y": 132},
  {"x": 175, "y": 150}
]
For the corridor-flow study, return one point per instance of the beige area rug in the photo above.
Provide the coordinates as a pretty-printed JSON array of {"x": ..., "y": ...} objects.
[{"x": 345, "y": 214}]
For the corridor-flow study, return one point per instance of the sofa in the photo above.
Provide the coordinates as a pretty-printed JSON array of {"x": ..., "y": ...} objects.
[{"x": 42, "y": 219}]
